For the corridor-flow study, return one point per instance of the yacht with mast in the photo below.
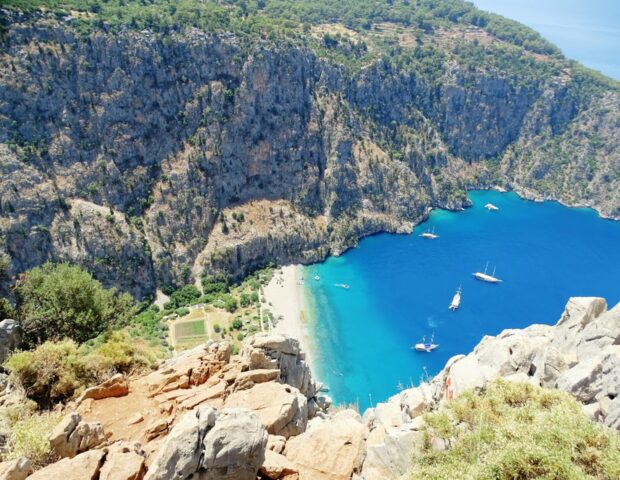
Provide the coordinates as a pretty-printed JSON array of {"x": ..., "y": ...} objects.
[
  {"x": 425, "y": 346},
  {"x": 430, "y": 235},
  {"x": 491, "y": 207},
  {"x": 485, "y": 277},
  {"x": 456, "y": 300}
]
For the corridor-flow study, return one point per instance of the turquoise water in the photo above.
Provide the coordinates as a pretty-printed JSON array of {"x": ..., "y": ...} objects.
[
  {"x": 401, "y": 286},
  {"x": 587, "y": 31}
]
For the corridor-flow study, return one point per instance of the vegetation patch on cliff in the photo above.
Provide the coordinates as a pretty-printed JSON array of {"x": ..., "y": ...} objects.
[{"x": 516, "y": 431}]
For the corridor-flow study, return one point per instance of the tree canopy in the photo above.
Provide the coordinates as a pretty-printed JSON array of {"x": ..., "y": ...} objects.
[{"x": 59, "y": 301}]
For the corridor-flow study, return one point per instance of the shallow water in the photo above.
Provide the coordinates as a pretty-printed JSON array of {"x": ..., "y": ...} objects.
[{"x": 401, "y": 287}]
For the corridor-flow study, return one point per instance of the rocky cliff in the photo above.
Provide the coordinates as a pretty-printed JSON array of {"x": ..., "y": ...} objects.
[
  {"x": 149, "y": 157},
  {"x": 206, "y": 414}
]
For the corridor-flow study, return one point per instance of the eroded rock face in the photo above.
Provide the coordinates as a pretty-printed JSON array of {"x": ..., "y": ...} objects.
[
  {"x": 226, "y": 445},
  {"x": 72, "y": 436},
  {"x": 269, "y": 351}
]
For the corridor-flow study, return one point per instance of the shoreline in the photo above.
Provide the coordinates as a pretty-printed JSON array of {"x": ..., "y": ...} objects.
[{"x": 284, "y": 297}]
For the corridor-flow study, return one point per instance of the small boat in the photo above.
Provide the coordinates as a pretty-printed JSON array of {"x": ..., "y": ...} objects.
[
  {"x": 317, "y": 278},
  {"x": 456, "y": 300},
  {"x": 430, "y": 235},
  {"x": 424, "y": 346},
  {"x": 485, "y": 277},
  {"x": 343, "y": 285},
  {"x": 491, "y": 207}
]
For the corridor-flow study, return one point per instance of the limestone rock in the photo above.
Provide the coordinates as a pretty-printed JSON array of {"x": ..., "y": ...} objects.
[
  {"x": 115, "y": 386},
  {"x": 276, "y": 443},
  {"x": 226, "y": 445},
  {"x": 278, "y": 467},
  {"x": 10, "y": 337},
  {"x": 234, "y": 448},
  {"x": 85, "y": 466},
  {"x": 179, "y": 455},
  {"x": 17, "y": 469},
  {"x": 391, "y": 458},
  {"x": 331, "y": 449},
  {"x": 123, "y": 462},
  {"x": 271, "y": 351},
  {"x": 245, "y": 380},
  {"x": 282, "y": 409},
  {"x": 72, "y": 436}
]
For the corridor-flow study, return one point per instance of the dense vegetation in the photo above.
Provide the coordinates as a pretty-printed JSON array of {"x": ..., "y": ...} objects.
[
  {"x": 64, "y": 301},
  {"x": 517, "y": 431},
  {"x": 267, "y": 17}
]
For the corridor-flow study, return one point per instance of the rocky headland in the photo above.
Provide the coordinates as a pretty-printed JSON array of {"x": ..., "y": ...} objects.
[{"x": 211, "y": 415}]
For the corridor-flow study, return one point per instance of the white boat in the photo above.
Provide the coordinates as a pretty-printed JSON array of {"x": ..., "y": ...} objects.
[
  {"x": 456, "y": 300},
  {"x": 317, "y": 278},
  {"x": 491, "y": 207},
  {"x": 431, "y": 235},
  {"x": 425, "y": 346},
  {"x": 343, "y": 285},
  {"x": 485, "y": 277}
]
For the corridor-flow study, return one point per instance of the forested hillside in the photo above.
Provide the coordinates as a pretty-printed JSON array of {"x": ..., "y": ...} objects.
[{"x": 152, "y": 141}]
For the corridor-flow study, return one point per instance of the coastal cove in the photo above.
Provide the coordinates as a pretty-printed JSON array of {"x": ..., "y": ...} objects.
[{"x": 401, "y": 286}]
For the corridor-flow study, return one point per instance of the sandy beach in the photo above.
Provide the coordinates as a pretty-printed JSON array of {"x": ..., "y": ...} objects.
[{"x": 283, "y": 294}]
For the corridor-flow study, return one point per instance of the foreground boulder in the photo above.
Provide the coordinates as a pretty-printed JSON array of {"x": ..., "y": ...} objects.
[
  {"x": 72, "y": 436},
  {"x": 85, "y": 466},
  {"x": 226, "y": 445},
  {"x": 282, "y": 409},
  {"x": 115, "y": 386},
  {"x": 330, "y": 449},
  {"x": 17, "y": 469}
]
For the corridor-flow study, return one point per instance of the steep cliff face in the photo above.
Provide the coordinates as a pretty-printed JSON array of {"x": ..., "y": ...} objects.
[{"x": 130, "y": 152}]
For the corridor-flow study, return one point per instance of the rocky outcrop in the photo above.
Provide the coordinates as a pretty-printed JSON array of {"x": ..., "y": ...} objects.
[
  {"x": 10, "y": 337},
  {"x": 85, "y": 466},
  {"x": 226, "y": 445},
  {"x": 17, "y": 469},
  {"x": 579, "y": 355},
  {"x": 281, "y": 353},
  {"x": 115, "y": 386},
  {"x": 72, "y": 436},
  {"x": 332, "y": 449}
]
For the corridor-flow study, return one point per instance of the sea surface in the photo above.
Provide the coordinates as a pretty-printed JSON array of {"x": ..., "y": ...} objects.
[
  {"x": 401, "y": 287},
  {"x": 585, "y": 30}
]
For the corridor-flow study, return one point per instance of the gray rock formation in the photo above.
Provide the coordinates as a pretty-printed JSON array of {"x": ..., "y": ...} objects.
[
  {"x": 72, "y": 436},
  {"x": 269, "y": 351},
  {"x": 10, "y": 337},
  {"x": 579, "y": 355},
  {"x": 225, "y": 445}
]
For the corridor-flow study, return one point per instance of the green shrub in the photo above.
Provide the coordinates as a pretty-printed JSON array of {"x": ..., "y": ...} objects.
[
  {"x": 237, "y": 324},
  {"x": 183, "y": 296},
  {"x": 215, "y": 283},
  {"x": 181, "y": 312},
  {"x": 28, "y": 438},
  {"x": 517, "y": 431},
  {"x": 217, "y": 328},
  {"x": 6, "y": 309},
  {"x": 49, "y": 374},
  {"x": 64, "y": 301},
  {"x": 55, "y": 371},
  {"x": 240, "y": 336}
]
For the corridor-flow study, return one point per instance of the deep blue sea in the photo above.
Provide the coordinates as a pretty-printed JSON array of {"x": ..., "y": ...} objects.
[
  {"x": 401, "y": 287},
  {"x": 585, "y": 30}
]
